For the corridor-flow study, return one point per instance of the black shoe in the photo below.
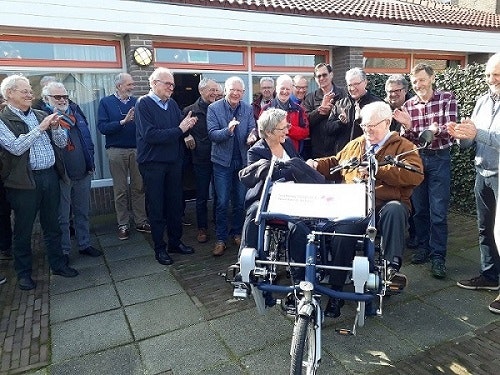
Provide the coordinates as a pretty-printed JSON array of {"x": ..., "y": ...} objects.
[
  {"x": 66, "y": 259},
  {"x": 163, "y": 258},
  {"x": 65, "y": 271},
  {"x": 333, "y": 306},
  {"x": 438, "y": 269},
  {"x": 91, "y": 252},
  {"x": 26, "y": 283},
  {"x": 420, "y": 256},
  {"x": 5, "y": 255},
  {"x": 181, "y": 249}
]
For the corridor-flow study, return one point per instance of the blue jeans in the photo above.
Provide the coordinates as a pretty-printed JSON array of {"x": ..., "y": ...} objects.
[
  {"x": 203, "y": 175},
  {"x": 228, "y": 186},
  {"x": 431, "y": 200},
  {"x": 486, "y": 192},
  {"x": 163, "y": 187},
  {"x": 75, "y": 195}
]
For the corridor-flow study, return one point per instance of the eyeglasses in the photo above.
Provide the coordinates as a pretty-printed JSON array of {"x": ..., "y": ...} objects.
[
  {"x": 354, "y": 85},
  {"x": 302, "y": 88},
  {"x": 267, "y": 88},
  {"x": 59, "y": 97},
  {"x": 319, "y": 76},
  {"x": 371, "y": 126},
  {"x": 24, "y": 92},
  {"x": 286, "y": 127},
  {"x": 166, "y": 83},
  {"x": 396, "y": 91}
]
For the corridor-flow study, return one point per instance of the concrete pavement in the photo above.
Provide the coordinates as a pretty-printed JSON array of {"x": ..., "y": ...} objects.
[{"x": 127, "y": 314}]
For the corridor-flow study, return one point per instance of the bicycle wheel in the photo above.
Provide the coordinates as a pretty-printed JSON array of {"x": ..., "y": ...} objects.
[{"x": 303, "y": 351}]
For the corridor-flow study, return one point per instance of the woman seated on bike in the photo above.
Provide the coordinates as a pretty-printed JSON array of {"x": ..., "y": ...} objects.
[
  {"x": 393, "y": 188},
  {"x": 273, "y": 129}
]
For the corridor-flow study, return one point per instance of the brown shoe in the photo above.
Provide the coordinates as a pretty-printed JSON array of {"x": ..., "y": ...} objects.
[
  {"x": 123, "y": 233},
  {"x": 202, "y": 235},
  {"x": 237, "y": 240},
  {"x": 219, "y": 249}
]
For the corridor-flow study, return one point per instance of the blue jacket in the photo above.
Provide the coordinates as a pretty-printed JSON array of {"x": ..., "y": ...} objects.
[
  {"x": 158, "y": 133},
  {"x": 85, "y": 137},
  {"x": 111, "y": 111},
  {"x": 219, "y": 115}
]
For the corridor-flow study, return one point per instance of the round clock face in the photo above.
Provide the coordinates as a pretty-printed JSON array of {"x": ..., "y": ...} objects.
[{"x": 143, "y": 56}]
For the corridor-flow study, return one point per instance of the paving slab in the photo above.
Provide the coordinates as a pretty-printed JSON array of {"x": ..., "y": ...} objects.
[
  {"x": 162, "y": 315},
  {"x": 83, "y": 302},
  {"x": 184, "y": 351},
  {"x": 128, "y": 250},
  {"x": 123, "y": 360},
  {"x": 89, "y": 334},
  {"x": 135, "y": 267},
  {"x": 147, "y": 288},
  {"x": 88, "y": 277}
]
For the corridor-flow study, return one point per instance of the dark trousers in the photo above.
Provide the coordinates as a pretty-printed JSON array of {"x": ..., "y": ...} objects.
[
  {"x": 25, "y": 204},
  {"x": 5, "y": 223},
  {"x": 164, "y": 198},
  {"x": 486, "y": 192}
]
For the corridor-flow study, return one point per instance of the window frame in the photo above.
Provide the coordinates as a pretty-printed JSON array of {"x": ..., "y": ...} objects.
[
  {"x": 43, "y": 63},
  {"x": 288, "y": 51},
  {"x": 198, "y": 47}
]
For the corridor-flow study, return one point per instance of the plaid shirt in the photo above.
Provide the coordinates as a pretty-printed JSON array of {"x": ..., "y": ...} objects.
[
  {"x": 38, "y": 142},
  {"x": 441, "y": 108}
]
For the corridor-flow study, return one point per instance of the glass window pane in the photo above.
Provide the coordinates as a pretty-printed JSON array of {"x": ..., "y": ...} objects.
[
  {"x": 385, "y": 63},
  {"x": 438, "y": 65},
  {"x": 53, "y": 51},
  {"x": 287, "y": 59},
  {"x": 185, "y": 56}
]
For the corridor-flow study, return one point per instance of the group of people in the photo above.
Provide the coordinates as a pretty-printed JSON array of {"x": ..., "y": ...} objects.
[{"x": 147, "y": 137}]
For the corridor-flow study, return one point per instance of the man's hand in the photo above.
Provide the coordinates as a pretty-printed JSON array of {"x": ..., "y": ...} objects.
[
  {"x": 129, "y": 117},
  {"x": 232, "y": 124},
  {"x": 190, "y": 142},
  {"x": 327, "y": 103},
  {"x": 51, "y": 120},
  {"x": 402, "y": 117},
  {"x": 312, "y": 163},
  {"x": 188, "y": 122},
  {"x": 465, "y": 130}
]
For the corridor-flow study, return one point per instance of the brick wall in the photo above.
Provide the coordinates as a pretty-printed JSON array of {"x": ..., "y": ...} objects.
[
  {"x": 345, "y": 58},
  {"x": 139, "y": 73}
]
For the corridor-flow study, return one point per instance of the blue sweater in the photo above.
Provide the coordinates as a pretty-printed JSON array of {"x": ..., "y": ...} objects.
[
  {"x": 111, "y": 111},
  {"x": 158, "y": 133}
]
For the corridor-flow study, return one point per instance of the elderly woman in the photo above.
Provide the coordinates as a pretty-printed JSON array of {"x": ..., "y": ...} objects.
[
  {"x": 296, "y": 116},
  {"x": 273, "y": 129}
]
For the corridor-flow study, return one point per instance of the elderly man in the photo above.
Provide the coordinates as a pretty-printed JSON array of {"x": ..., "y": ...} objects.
[
  {"x": 32, "y": 167},
  {"x": 483, "y": 131},
  {"x": 201, "y": 147},
  {"x": 343, "y": 123},
  {"x": 116, "y": 122},
  {"x": 393, "y": 188},
  {"x": 299, "y": 90},
  {"x": 396, "y": 89},
  {"x": 160, "y": 133},
  {"x": 78, "y": 156},
  {"x": 319, "y": 105},
  {"x": 230, "y": 125},
  {"x": 430, "y": 109},
  {"x": 266, "y": 95}
]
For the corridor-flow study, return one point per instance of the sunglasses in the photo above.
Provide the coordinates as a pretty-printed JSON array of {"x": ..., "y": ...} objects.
[{"x": 59, "y": 97}]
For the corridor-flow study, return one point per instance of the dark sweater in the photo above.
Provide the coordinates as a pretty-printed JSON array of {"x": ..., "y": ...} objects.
[
  {"x": 111, "y": 111},
  {"x": 158, "y": 133}
]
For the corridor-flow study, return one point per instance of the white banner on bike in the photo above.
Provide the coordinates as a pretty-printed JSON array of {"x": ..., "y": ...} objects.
[{"x": 328, "y": 201}]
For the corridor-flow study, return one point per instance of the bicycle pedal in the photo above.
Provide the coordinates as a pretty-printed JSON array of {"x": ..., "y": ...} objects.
[{"x": 240, "y": 290}]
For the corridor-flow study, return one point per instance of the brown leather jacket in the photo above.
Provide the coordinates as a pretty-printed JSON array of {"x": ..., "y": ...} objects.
[{"x": 392, "y": 183}]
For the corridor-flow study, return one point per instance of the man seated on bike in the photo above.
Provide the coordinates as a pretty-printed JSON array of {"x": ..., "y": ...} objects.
[
  {"x": 393, "y": 188},
  {"x": 273, "y": 129}
]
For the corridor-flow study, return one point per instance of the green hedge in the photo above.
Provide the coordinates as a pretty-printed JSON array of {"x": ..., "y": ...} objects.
[{"x": 467, "y": 84}]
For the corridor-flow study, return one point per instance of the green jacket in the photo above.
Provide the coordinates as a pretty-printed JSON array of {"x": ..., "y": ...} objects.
[{"x": 15, "y": 170}]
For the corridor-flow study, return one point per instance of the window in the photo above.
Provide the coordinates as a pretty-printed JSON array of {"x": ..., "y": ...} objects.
[
  {"x": 41, "y": 51},
  {"x": 287, "y": 60},
  {"x": 386, "y": 63},
  {"x": 186, "y": 56},
  {"x": 440, "y": 62}
]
